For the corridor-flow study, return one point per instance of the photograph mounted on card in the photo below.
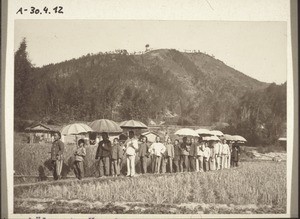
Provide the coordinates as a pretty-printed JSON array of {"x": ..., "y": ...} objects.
[{"x": 135, "y": 110}]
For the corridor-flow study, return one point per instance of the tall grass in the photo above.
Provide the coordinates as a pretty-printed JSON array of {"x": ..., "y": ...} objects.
[{"x": 262, "y": 183}]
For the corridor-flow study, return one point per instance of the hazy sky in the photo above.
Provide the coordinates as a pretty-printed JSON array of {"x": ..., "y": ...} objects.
[{"x": 257, "y": 49}]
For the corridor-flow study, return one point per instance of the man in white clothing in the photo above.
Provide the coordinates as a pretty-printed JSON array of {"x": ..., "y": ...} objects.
[
  {"x": 206, "y": 156},
  {"x": 200, "y": 153},
  {"x": 131, "y": 145},
  {"x": 157, "y": 149},
  {"x": 218, "y": 154},
  {"x": 225, "y": 154}
]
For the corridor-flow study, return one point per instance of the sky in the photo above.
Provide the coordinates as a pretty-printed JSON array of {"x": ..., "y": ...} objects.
[{"x": 257, "y": 49}]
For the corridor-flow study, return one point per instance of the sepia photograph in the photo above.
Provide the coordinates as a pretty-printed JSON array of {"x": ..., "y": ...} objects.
[{"x": 150, "y": 117}]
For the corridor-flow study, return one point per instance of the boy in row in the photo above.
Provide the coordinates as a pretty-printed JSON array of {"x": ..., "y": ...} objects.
[{"x": 109, "y": 156}]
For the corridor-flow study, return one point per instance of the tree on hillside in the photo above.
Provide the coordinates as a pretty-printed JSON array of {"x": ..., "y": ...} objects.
[
  {"x": 147, "y": 47},
  {"x": 23, "y": 70}
]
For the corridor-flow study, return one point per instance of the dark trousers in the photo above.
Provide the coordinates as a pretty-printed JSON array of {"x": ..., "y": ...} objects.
[
  {"x": 192, "y": 163},
  {"x": 177, "y": 164},
  {"x": 184, "y": 163},
  {"x": 235, "y": 163},
  {"x": 143, "y": 161},
  {"x": 104, "y": 166},
  {"x": 78, "y": 169},
  {"x": 205, "y": 164}
]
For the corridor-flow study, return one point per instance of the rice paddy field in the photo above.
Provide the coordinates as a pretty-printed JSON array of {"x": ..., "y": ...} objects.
[{"x": 253, "y": 187}]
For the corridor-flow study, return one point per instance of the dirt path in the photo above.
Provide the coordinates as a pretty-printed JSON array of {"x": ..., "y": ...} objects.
[{"x": 30, "y": 205}]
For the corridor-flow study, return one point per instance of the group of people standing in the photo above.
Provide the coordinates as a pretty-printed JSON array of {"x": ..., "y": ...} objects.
[
  {"x": 192, "y": 154},
  {"x": 189, "y": 155}
]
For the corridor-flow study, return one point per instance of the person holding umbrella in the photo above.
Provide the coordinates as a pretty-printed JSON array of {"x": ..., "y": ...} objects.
[
  {"x": 131, "y": 145},
  {"x": 104, "y": 155},
  {"x": 57, "y": 155}
]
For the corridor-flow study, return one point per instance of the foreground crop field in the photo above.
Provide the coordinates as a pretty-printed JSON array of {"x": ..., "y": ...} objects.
[{"x": 255, "y": 187}]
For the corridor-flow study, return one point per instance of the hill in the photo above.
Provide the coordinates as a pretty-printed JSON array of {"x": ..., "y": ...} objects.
[{"x": 182, "y": 88}]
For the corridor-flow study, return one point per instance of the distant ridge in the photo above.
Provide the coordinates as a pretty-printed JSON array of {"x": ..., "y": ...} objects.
[{"x": 196, "y": 87}]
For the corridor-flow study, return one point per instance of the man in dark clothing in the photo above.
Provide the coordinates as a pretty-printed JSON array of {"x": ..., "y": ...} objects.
[
  {"x": 116, "y": 157},
  {"x": 143, "y": 154},
  {"x": 235, "y": 155},
  {"x": 184, "y": 153},
  {"x": 176, "y": 159},
  {"x": 57, "y": 155},
  {"x": 104, "y": 154},
  {"x": 192, "y": 155}
]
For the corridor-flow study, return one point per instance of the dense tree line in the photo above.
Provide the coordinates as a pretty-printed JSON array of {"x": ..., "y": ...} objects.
[{"x": 261, "y": 116}]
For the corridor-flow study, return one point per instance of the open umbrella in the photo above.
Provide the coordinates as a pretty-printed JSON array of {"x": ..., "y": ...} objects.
[
  {"x": 187, "y": 132},
  {"x": 211, "y": 138},
  {"x": 214, "y": 138},
  {"x": 217, "y": 132},
  {"x": 239, "y": 138},
  {"x": 204, "y": 132},
  {"x": 75, "y": 129},
  {"x": 206, "y": 138},
  {"x": 105, "y": 125},
  {"x": 133, "y": 124},
  {"x": 229, "y": 137}
]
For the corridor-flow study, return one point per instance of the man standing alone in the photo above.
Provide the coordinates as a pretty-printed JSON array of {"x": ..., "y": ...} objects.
[{"x": 57, "y": 155}]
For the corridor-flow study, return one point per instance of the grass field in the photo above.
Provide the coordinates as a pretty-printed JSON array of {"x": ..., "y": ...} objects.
[{"x": 254, "y": 187}]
